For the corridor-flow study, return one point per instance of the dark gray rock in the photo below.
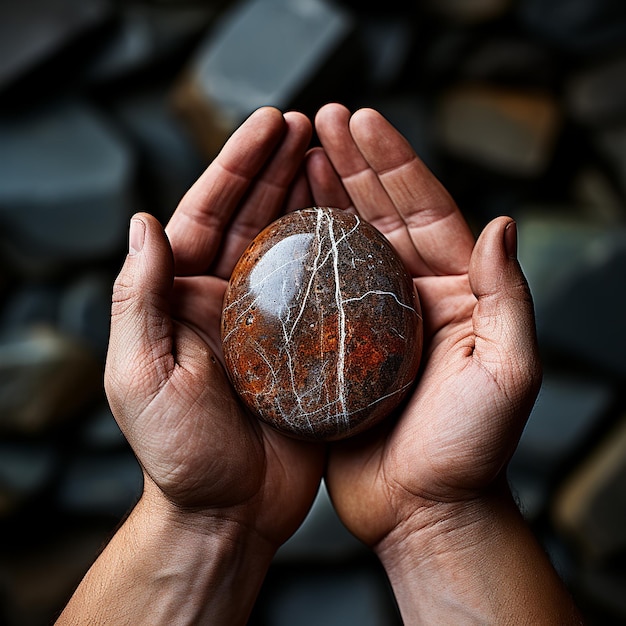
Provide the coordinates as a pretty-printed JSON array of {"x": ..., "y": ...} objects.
[
  {"x": 80, "y": 309},
  {"x": 386, "y": 42},
  {"x": 560, "y": 238},
  {"x": 146, "y": 35},
  {"x": 65, "y": 185},
  {"x": 583, "y": 319},
  {"x": 265, "y": 52},
  {"x": 567, "y": 412},
  {"x": 31, "y": 304},
  {"x": 85, "y": 311}
]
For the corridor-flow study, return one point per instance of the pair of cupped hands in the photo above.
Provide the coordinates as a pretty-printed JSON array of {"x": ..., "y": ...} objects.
[{"x": 205, "y": 458}]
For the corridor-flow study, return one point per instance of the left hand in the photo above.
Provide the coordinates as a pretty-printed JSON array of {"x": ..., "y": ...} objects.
[{"x": 480, "y": 371}]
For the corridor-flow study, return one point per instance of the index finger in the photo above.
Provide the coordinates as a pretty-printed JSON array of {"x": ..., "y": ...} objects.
[{"x": 198, "y": 224}]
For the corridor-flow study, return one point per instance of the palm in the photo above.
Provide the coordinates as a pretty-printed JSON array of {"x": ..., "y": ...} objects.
[
  {"x": 443, "y": 445},
  {"x": 258, "y": 466}
]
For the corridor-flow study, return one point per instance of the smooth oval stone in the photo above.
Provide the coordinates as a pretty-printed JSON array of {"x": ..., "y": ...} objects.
[{"x": 321, "y": 326}]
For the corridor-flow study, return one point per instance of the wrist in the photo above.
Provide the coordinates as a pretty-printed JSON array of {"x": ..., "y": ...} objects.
[
  {"x": 168, "y": 566},
  {"x": 438, "y": 531},
  {"x": 204, "y": 557},
  {"x": 201, "y": 526},
  {"x": 473, "y": 562}
]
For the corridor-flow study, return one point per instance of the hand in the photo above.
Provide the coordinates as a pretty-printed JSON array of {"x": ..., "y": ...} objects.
[
  {"x": 427, "y": 489},
  {"x": 221, "y": 490},
  {"x": 199, "y": 449},
  {"x": 480, "y": 367}
]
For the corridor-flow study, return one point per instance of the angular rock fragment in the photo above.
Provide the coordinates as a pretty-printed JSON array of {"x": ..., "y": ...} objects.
[
  {"x": 44, "y": 378},
  {"x": 264, "y": 52},
  {"x": 507, "y": 131},
  {"x": 65, "y": 185},
  {"x": 591, "y": 506}
]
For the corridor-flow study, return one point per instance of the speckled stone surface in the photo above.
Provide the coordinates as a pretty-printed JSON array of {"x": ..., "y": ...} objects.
[{"x": 321, "y": 327}]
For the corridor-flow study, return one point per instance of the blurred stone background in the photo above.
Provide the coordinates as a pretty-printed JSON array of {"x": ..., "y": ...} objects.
[{"x": 108, "y": 107}]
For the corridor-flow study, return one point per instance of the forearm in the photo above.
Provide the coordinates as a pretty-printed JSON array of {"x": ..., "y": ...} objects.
[
  {"x": 159, "y": 569},
  {"x": 474, "y": 565}
]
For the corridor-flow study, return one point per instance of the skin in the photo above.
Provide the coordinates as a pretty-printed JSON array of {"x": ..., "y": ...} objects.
[
  {"x": 222, "y": 491},
  {"x": 427, "y": 492}
]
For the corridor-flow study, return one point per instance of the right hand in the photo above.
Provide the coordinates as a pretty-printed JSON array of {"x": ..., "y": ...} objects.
[{"x": 204, "y": 456}]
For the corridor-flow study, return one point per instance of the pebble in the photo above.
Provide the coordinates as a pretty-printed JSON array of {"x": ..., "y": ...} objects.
[{"x": 321, "y": 327}]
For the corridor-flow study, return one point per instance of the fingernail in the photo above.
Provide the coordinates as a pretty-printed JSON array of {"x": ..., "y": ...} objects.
[
  {"x": 136, "y": 236},
  {"x": 510, "y": 240}
]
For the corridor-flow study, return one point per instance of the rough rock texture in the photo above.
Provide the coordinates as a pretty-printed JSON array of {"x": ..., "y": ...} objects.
[{"x": 321, "y": 326}]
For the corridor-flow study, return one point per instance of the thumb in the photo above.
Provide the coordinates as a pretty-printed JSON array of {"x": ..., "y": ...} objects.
[
  {"x": 140, "y": 356},
  {"x": 503, "y": 319}
]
